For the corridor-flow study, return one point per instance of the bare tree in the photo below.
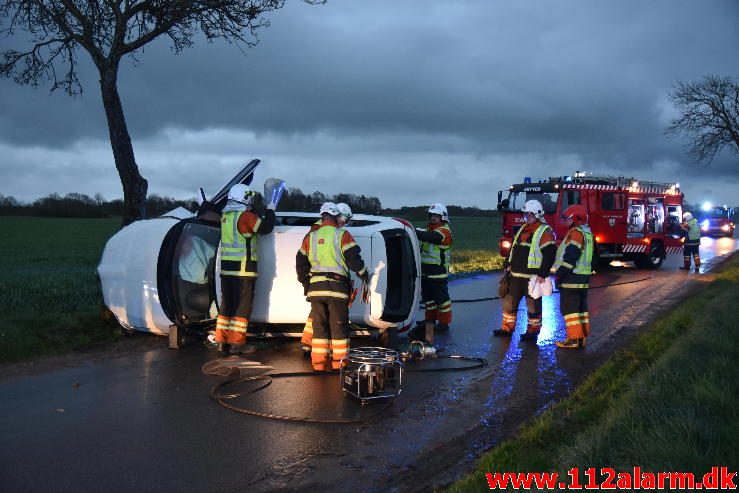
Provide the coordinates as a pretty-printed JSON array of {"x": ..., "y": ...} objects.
[
  {"x": 108, "y": 30},
  {"x": 709, "y": 115}
]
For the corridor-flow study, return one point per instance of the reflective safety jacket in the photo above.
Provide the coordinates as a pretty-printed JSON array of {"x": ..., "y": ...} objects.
[
  {"x": 324, "y": 260},
  {"x": 693, "y": 231},
  {"x": 436, "y": 245},
  {"x": 573, "y": 265},
  {"x": 239, "y": 232},
  {"x": 532, "y": 252}
]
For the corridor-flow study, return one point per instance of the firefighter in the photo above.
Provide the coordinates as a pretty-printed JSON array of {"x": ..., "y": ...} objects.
[
  {"x": 572, "y": 269},
  {"x": 345, "y": 214},
  {"x": 532, "y": 255},
  {"x": 436, "y": 243},
  {"x": 692, "y": 242},
  {"x": 323, "y": 263},
  {"x": 239, "y": 229}
]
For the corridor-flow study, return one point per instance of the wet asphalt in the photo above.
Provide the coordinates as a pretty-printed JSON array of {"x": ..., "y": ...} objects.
[{"x": 143, "y": 421}]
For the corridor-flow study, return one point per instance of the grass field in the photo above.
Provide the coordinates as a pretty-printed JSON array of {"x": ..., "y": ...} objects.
[
  {"x": 669, "y": 402},
  {"x": 49, "y": 296},
  {"x": 475, "y": 244}
]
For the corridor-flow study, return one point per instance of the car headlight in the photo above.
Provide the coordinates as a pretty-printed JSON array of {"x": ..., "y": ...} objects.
[{"x": 725, "y": 227}]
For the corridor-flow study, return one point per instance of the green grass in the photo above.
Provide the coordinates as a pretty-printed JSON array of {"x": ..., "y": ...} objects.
[
  {"x": 670, "y": 402},
  {"x": 49, "y": 296},
  {"x": 475, "y": 244}
]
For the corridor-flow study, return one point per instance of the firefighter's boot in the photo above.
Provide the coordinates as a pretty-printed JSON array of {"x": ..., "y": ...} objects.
[
  {"x": 571, "y": 343},
  {"x": 686, "y": 265},
  {"x": 502, "y": 333},
  {"x": 441, "y": 327},
  {"x": 223, "y": 347}
]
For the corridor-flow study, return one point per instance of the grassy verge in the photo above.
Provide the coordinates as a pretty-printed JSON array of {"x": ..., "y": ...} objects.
[
  {"x": 49, "y": 296},
  {"x": 670, "y": 402}
]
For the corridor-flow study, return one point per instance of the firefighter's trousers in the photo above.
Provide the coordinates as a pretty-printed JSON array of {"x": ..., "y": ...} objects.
[
  {"x": 237, "y": 296},
  {"x": 330, "y": 317},
  {"x": 435, "y": 294},
  {"x": 519, "y": 288},
  {"x": 573, "y": 304},
  {"x": 691, "y": 250},
  {"x": 307, "y": 338}
]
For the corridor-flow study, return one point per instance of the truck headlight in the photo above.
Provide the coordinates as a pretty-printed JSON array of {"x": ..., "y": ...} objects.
[
  {"x": 505, "y": 244},
  {"x": 725, "y": 227},
  {"x": 704, "y": 225}
]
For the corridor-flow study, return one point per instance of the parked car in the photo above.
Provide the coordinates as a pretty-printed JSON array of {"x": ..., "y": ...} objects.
[{"x": 164, "y": 272}]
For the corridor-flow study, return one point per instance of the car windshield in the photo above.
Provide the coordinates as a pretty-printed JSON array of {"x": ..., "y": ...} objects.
[
  {"x": 717, "y": 213},
  {"x": 193, "y": 269},
  {"x": 516, "y": 200}
]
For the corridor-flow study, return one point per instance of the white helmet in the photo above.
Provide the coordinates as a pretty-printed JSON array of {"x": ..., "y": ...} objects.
[
  {"x": 241, "y": 193},
  {"x": 330, "y": 208},
  {"x": 687, "y": 216},
  {"x": 534, "y": 207},
  {"x": 440, "y": 209},
  {"x": 344, "y": 210}
]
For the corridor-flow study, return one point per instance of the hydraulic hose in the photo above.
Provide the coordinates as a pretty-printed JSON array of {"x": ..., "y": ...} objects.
[{"x": 216, "y": 392}]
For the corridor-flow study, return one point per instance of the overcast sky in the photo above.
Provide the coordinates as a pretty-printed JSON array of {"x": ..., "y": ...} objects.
[{"x": 414, "y": 102}]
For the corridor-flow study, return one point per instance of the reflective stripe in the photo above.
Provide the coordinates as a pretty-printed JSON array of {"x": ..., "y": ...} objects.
[
  {"x": 332, "y": 294},
  {"x": 575, "y": 286},
  {"x": 525, "y": 276},
  {"x": 535, "y": 256}
]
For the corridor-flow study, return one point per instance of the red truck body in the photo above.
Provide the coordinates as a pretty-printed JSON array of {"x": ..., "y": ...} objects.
[{"x": 630, "y": 220}]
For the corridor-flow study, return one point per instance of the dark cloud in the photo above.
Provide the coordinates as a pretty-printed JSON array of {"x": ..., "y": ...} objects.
[{"x": 378, "y": 97}]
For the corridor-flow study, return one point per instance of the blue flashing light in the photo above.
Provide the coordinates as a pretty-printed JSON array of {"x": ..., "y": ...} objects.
[
  {"x": 706, "y": 206},
  {"x": 527, "y": 179}
]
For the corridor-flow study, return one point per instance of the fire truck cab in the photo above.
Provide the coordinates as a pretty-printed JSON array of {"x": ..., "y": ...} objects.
[
  {"x": 631, "y": 220},
  {"x": 717, "y": 221}
]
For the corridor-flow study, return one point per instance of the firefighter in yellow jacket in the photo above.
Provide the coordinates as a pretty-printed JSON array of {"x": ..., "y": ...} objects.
[
  {"x": 345, "y": 214},
  {"x": 239, "y": 229},
  {"x": 572, "y": 269},
  {"x": 323, "y": 264},
  {"x": 691, "y": 247},
  {"x": 436, "y": 244},
  {"x": 532, "y": 255}
]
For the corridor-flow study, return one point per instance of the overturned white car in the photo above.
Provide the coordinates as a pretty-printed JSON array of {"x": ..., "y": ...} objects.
[{"x": 164, "y": 272}]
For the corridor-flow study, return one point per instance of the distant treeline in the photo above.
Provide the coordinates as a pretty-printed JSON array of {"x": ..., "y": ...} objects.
[{"x": 81, "y": 205}]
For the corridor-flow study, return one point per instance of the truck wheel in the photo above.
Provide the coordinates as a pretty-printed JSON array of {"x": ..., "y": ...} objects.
[{"x": 651, "y": 260}]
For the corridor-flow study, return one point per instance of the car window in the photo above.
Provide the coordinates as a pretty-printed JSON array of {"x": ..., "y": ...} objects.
[
  {"x": 611, "y": 201},
  {"x": 193, "y": 270}
]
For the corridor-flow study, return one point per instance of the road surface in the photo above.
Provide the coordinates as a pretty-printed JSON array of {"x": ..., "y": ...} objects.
[{"x": 141, "y": 419}]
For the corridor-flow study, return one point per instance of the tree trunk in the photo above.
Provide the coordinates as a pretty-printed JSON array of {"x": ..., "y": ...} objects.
[{"x": 134, "y": 185}]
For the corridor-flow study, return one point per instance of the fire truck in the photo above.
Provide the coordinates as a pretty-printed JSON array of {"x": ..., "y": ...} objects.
[
  {"x": 631, "y": 220},
  {"x": 717, "y": 221}
]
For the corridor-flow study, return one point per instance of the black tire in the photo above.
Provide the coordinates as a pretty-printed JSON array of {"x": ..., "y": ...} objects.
[{"x": 652, "y": 260}]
